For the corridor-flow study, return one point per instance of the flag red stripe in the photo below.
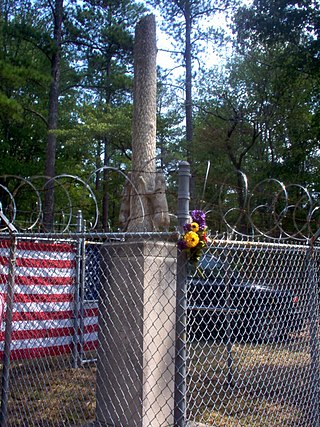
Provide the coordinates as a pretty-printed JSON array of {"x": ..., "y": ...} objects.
[
  {"x": 41, "y": 333},
  {"x": 39, "y": 263},
  {"x": 41, "y": 281},
  {"x": 42, "y": 247},
  {"x": 43, "y": 256},
  {"x": 91, "y": 345},
  {"x": 91, "y": 312},
  {"x": 88, "y": 329},
  {"x": 43, "y": 298},
  {"x": 47, "y": 333},
  {"x": 31, "y": 353},
  {"x": 42, "y": 315},
  {"x": 51, "y": 315}
]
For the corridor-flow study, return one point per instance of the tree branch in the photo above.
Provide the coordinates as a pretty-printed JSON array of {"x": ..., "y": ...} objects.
[{"x": 36, "y": 114}]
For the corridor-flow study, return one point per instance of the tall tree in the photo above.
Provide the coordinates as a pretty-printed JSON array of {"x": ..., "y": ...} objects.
[
  {"x": 93, "y": 52},
  {"x": 257, "y": 121},
  {"x": 103, "y": 34},
  {"x": 295, "y": 26},
  {"x": 39, "y": 25},
  {"x": 24, "y": 76},
  {"x": 287, "y": 33},
  {"x": 55, "y": 62},
  {"x": 182, "y": 20}
]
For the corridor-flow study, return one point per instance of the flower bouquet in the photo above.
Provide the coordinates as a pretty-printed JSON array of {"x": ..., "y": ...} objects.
[{"x": 194, "y": 238}]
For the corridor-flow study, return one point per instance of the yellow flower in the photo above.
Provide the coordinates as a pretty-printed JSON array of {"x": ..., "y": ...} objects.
[
  {"x": 194, "y": 226},
  {"x": 191, "y": 238}
]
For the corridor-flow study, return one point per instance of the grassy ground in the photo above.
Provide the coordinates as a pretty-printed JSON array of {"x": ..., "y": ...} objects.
[
  {"x": 253, "y": 385},
  {"x": 49, "y": 392}
]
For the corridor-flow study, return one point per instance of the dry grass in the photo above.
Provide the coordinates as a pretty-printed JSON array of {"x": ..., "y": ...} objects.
[
  {"x": 49, "y": 392},
  {"x": 256, "y": 412},
  {"x": 253, "y": 386}
]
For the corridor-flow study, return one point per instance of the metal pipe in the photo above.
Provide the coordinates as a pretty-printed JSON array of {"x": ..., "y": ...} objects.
[
  {"x": 8, "y": 334},
  {"x": 181, "y": 303},
  {"x": 314, "y": 344},
  {"x": 82, "y": 291},
  {"x": 183, "y": 193},
  {"x": 75, "y": 350}
]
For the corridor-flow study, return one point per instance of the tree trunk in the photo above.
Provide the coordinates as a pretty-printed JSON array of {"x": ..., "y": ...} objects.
[
  {"x": 188, "y": 88},
  {"x": 105, "y": 199},
  {"x": 144, "y": 205},
  {"x": 53, "y": 116},
  {"x": 188, "y": 82},
  {"x": 144, "y": 125}
]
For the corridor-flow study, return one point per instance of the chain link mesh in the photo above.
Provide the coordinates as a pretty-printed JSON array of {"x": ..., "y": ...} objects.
[
  {"x": 93, "y": 339},
  {"x": 249, "y": 347}
]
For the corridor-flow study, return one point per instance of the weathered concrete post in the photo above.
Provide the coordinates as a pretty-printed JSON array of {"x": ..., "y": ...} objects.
[
  {"x": 136, "y": 354},
  {"x": 135, "y": 381},
  {"x": 144, "y": 204}
]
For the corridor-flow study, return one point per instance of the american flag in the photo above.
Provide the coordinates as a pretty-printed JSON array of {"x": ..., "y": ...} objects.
[{"x": 44, "y": 300}]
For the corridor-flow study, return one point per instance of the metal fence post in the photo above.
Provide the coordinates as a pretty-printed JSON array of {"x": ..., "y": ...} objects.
[
  {"x": 314, "y": 343},
  {"x": 9, "y": 312},
  {"x": 183, "y": 193},
  {"x": 82, "y": 244},
  {"x": 75, "y": 350},
  {"x": 181, "y": 304},
  {"x": 8, "y": 334}
]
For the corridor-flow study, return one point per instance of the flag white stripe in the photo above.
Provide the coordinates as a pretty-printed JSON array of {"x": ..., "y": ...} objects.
[
  {"x": 24, "y": 307},
  {"x": 50, "y": 324},
  {"x": 39, "y": 272},
  {"x": 43, "y": 269},
  {"x": 47, "y": 342},
  {"x": 42, "y": 290},
  {"x": 45, "y": 272},
  {"x": 59, "y": 256}
]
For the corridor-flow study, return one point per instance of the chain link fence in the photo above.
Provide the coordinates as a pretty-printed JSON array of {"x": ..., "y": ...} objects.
[
  {"x": 95, "y": 332},
  {"x": 253, "y": 344},
  {"x": 116, "y": 329}
]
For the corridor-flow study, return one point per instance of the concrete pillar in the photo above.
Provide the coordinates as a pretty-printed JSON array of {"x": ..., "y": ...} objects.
[{"x": 136, "y": 355}]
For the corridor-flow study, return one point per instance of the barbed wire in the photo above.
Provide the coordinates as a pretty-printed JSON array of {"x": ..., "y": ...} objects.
[
  {"x": 22, "y": 201},
  {"x": 270, "y": 209}
]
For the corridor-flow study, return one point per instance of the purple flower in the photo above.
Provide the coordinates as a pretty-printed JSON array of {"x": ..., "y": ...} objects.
[
  {"x": 187, "y": 227},
  {"x": 182, "y": 244},
  {"x": 199, "y": 217}
]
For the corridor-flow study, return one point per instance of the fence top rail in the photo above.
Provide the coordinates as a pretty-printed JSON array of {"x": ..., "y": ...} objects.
[
  {"x": 223, "y": 243},
  {"x": 215, "y": 242},
  {"x": 120, "y": 236}
]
